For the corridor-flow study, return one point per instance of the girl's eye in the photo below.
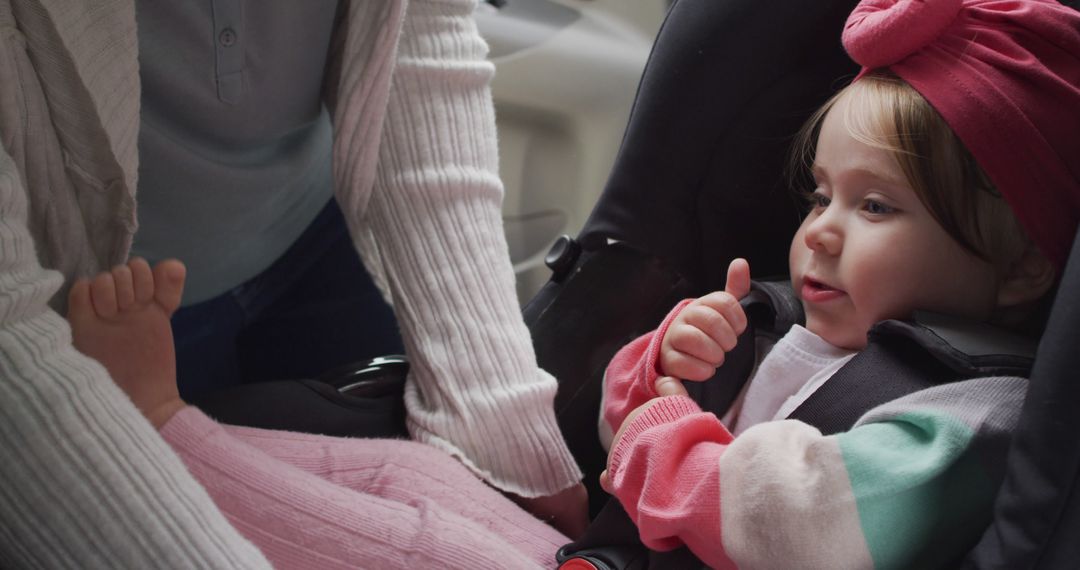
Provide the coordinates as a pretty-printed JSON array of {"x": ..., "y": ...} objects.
[
  {"x": 817, "y": 200},
  {"x": 877, "y": 208}
]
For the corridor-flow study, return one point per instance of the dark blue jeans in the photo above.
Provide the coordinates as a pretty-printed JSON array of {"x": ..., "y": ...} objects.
[{"x": 314, "y": 309}]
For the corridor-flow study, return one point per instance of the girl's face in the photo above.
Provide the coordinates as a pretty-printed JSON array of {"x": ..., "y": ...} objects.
[{"x": 869, "y": 250}]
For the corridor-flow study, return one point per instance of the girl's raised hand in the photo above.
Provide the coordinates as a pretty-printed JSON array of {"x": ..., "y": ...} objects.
[{"x": 707, "y": 329}]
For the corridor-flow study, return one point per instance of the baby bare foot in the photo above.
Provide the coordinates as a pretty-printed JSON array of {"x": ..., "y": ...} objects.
[{"x": 121, "y": 319}]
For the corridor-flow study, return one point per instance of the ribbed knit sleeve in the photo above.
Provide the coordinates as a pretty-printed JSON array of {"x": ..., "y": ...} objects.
[
  {"x": 87, "y": 482},
  {"x": 432, "y": 226}
]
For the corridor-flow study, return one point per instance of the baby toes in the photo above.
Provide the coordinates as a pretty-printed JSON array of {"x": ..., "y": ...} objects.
[
  {"x": 142, "y": 278},
  {"x": 80, "y": 307},
  {"x": 125, "y": 287},
  {"x": 169, "y": 284},
  {"x": 103, "y": 295}
]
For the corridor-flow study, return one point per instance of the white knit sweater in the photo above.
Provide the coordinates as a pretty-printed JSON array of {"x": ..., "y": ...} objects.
[{"x": 86, "y": 481}]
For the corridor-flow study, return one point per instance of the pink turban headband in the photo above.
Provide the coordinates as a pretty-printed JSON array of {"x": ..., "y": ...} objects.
[{"x": 1005, "y": 75}]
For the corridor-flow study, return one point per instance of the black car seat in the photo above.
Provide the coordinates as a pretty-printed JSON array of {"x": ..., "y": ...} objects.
[{"x": 1037, "y": 513}]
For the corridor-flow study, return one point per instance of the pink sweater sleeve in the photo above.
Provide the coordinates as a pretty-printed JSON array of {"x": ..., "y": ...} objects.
[
  {"x": 665, "y": 470},
  {"x": 630, "y": 377}
]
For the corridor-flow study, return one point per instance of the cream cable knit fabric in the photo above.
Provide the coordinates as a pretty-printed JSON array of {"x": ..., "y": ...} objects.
[{"x": 435, "y": 223}]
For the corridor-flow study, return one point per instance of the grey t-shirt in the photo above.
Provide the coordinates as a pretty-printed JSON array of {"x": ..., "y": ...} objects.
[{"x": 235, "y": 141}]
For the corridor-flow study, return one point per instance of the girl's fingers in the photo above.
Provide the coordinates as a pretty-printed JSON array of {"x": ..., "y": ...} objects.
[
  {"x": 605, "y": 482},
  {"x": 738, "y": 278},
  {"x": 668, "y": 386},
  {"x": 725, "y": 308},
  {"x": 695, "y": 342},
  {"x": 687, "y": 367}
]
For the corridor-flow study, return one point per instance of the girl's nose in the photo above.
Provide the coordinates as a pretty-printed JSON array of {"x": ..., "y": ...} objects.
[{"x": 824, "y": 233}]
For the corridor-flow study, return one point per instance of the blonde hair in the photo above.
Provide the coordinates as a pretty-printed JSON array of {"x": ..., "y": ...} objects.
[{"x": 885, "y": 112}]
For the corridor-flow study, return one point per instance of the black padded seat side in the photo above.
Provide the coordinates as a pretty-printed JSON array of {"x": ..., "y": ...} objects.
[
  {"x": 1037, "y": 514},
  {"x": 700, "y": 177}
]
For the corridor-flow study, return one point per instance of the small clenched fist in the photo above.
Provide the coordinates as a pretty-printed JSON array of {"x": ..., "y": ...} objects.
[{"x": 706, "y": 329}]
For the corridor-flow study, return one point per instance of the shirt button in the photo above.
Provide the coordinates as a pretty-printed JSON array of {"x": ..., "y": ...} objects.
[{"x": 227, "y": 37}]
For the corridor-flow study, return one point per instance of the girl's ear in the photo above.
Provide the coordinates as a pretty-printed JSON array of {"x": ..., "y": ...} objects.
[{"x": 1029, "y": 278}]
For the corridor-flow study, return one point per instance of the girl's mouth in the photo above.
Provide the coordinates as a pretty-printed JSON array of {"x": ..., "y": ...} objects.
[{"x": 814, "y": 291}]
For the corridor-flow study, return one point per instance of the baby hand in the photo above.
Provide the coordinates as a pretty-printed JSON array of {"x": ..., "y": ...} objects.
[{"x": 707, "y": 329}]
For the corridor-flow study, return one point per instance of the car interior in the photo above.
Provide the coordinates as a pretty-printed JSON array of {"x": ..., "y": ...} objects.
[{"x": 700, "y": 177}]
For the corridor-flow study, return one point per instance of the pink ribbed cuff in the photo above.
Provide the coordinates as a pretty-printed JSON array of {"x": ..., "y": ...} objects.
[{"x": 662, "y": 411}]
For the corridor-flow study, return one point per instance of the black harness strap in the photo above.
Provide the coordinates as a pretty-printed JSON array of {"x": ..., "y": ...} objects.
[
  {"x": 878, "y": 374},
  {"x": 904, "y": 357}
]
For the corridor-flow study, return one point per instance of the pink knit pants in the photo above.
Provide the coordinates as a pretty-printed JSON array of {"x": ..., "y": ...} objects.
[{"x": 320, "y": 502}]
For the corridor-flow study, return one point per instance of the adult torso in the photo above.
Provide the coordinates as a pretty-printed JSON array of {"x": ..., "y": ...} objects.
[{"x": 235, "y": 142}]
